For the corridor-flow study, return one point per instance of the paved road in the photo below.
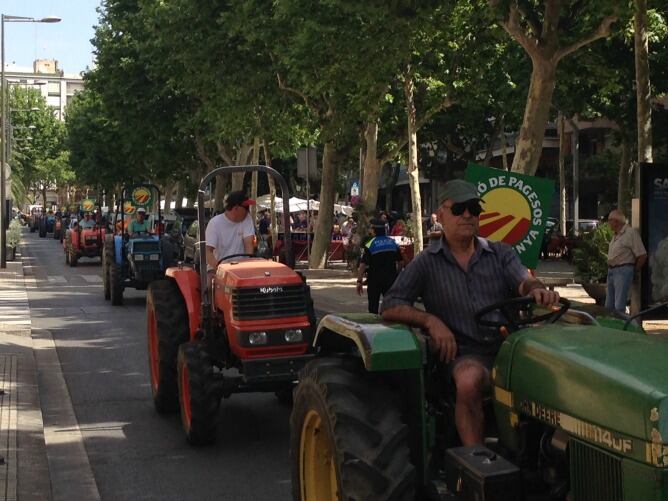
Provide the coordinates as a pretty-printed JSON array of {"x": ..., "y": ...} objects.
[{"x": 134, "y": 453}]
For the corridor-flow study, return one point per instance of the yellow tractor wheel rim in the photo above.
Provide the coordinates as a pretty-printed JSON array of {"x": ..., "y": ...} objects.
[{"x": 318, "y": 467}]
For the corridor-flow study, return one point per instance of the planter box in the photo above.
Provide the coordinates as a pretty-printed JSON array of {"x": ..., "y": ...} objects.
[{"x": 596, "y": 291}]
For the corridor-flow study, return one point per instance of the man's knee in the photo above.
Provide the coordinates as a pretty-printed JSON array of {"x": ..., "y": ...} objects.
[{"x": 471, "y": 380}]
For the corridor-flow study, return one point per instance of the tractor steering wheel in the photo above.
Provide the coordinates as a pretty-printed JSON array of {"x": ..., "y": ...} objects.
[
  {"x": 234, "y": 255},
  {"x": 510, "y": 310}
]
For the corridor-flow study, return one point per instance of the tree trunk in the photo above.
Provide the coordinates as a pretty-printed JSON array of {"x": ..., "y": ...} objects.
[
  {"x": 180, "y": 189},
  {"x": 272, "y": 196},
  {"x": 413, "y": 171},
  {"x": 529, "y": 145},
  {"x": 168, "y": 189},
  {"x": 255, "y": 161},
  {"x": 489, "y": 152},
  {"x": 643, "y": 91},
  {"x": 323, "y": 232},
  {"x": 371, "y": 168},
  {"x": 623, "y": 191},
  {"x": 563, "y": 203}
]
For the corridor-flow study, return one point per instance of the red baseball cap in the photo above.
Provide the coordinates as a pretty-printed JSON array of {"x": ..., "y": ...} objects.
[{"x": 235, "y": 198}]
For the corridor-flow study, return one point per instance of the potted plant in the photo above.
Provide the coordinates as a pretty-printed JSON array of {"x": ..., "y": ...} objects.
[
  {"x": 590, "y": 258},
  {"x": 13, "y": 238}
]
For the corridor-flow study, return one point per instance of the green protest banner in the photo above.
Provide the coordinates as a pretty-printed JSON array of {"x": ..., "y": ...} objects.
[{"x": 516, "y": 208}]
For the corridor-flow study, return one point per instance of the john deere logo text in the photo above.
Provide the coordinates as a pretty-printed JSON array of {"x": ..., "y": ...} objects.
[
  {"x": 128, "y": 208},
  {"x": 512, "y": 208},
  {"x": 141, "y": 196},
  {"x": 88, "y": 204}
]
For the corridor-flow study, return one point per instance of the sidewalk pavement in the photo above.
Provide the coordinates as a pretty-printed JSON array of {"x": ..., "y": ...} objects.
[{"x": 24, "y": 471}]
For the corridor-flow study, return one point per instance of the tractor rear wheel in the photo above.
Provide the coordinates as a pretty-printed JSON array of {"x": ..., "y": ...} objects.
[
  {"x": 67, "y": 256},
  {"x": 167, "y": 330},
  {"x": 198, "y": 399},
  {"x": 347, "y": 438},
  {"x": 115, "y": 284}
]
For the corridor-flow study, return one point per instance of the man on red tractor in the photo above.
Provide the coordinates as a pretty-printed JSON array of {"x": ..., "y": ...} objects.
[{"x": 230, "y": 233}]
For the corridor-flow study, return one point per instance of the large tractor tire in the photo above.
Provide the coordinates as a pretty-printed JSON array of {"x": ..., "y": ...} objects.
[
  {"x": 167, "y": 330},
  {"x": 74, "y": 258},
  {"x": 347, "y": 438},
  {"x": 115, "y": 283},
  {"x": 56, "y": 234},
  {"x": 107, "y": 257},
  {"x": 198, "y": 399},
  {"x": 67, "y": 256},
  {"x": 42, "y": 230}
]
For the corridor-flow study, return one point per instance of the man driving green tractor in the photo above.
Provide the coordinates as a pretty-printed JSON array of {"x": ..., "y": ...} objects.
[{"x": 456, "y": 276}]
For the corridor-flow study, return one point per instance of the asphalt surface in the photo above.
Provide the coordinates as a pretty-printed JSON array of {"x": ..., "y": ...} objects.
[{"x": 104, "y": 438}]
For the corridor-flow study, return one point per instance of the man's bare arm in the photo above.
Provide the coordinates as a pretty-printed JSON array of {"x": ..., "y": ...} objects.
[
  {"x": 248, "y": 245},
  {"x": 442, "y": 338},
  {"x": 533, "y": 287},
  {"x": 640, "y": 262},
  {"x": 210, "y": 258}
]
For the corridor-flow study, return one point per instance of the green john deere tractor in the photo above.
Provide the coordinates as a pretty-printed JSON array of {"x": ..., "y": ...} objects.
[{"x": 578, "y": 411}]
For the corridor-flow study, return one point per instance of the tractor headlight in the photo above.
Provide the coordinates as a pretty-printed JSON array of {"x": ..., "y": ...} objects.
[
  {"x": 257, "y": 338},
  {"x": 155, "y": 257},
  {"x": 138, "y": 257},
  {"x": 293, "y": 336}
]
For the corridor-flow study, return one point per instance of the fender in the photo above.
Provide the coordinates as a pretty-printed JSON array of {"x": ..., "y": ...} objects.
[
  {"x": 118, "y": 249},
  {"x": 187, "y": 280},
  {"x": 383, "y": 346}
]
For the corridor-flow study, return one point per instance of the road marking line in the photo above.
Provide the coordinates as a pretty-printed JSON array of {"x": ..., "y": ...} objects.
[
  {"x": 92, "y": 279},
  {"x": 56, "y": 279}
]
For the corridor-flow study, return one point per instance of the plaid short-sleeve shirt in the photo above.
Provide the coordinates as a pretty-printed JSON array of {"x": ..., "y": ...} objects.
[{"x": 453, "y": 295}]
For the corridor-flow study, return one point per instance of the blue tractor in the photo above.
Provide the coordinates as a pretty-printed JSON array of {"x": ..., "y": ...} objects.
[{"x": 133, "y": 259}]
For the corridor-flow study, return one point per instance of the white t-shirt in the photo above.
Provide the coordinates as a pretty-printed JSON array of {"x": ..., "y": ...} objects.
[{"x": 227, "y": 237}]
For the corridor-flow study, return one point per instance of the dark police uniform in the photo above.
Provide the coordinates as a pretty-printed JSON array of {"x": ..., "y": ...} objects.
[{"x": 380, "y": 255}]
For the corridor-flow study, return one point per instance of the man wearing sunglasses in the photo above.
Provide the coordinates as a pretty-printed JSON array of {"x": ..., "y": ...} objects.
[{"x": 457, "y": 276}]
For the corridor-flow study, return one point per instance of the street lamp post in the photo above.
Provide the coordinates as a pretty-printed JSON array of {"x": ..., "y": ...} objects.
[{"x": 3, "y": 121}]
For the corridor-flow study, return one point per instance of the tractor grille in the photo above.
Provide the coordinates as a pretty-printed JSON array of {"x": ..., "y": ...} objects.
[
  {"x": 148, "y": 246},
  {"x": 269, "y": 302},
  {"x": 595, "y": 474}
]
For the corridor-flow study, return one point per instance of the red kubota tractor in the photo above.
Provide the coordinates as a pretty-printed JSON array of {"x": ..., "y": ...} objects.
[
  {"x": 83, "y": 242},
  {"x": 248, "y": 327}
]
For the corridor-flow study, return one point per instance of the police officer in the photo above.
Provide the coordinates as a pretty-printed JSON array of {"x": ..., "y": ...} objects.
[{"x": 381, "y": 260}]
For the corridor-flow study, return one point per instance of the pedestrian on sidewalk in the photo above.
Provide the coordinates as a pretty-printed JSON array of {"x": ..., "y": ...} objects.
[
  {"x": 626, "y": 255},
  {"x": 381, "y": 260}
]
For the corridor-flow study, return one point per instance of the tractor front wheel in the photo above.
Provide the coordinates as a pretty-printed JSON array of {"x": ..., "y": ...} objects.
[
  {"x": 197, "y": 396},
  {"x": 67, "y": 256},
  {"x": 107, "y": 257},
  {"x": 167, "y": 330},
  {"x": 347, "y": 438},
  {"x": 115, "y": 284},
  {"x": 73, "y": 257}
]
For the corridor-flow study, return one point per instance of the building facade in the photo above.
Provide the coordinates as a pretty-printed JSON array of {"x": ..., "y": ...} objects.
[{"x": 53, "y": 83}]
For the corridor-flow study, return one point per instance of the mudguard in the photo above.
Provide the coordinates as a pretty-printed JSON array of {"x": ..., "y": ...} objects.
[
  {"x": 383, "y": 346},
  {"x": 187, "y": 280}
]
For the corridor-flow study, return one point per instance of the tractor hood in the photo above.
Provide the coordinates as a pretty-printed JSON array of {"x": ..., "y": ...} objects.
[
  {"x": 257, "y": 272},
  {"x": 591, "y": 375}
]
